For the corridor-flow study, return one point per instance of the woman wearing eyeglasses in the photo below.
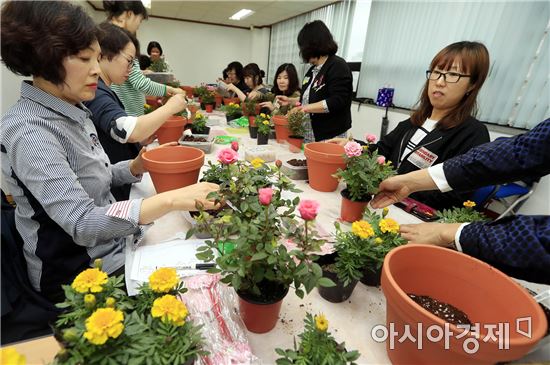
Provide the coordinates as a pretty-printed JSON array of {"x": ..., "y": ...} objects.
[
  {"x": 118, "y": 132},
  {"x": 443, "y": 125}
]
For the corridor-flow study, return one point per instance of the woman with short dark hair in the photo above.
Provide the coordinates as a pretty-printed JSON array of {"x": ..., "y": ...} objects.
[
  {"x": 327, "y": 85},
  {"x": 154, "y": 50},
  {"x": 253, "y": 78},
  {"x": 129, "y": 15},
  {"x": 118, "y": 132},
  {"x": 235, "y": 74},
  {"x": 52, "y": 161}
]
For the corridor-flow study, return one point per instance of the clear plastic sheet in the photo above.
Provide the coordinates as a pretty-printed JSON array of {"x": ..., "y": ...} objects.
[{"x": 213, "y": 305}]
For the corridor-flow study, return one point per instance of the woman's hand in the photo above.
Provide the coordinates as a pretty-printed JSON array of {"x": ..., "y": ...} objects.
[
  {"x": 188, "y": 197},
  {"x": 397, "y": 188},
  {"x": 176, "y": 103},
  {"x": 253, "y": 95},
  {"x": 283, "y": 100},
  {"x": 171, "y": 91},
  {"x": 438, "y": 234},
  {"x": 267, "y": 104},
  {"x": 136, "y": 165}
]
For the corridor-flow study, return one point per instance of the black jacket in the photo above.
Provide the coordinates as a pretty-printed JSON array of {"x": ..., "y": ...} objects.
[
  {"x": 443, "y": 143},
  {"x": 334, "y": 84}
]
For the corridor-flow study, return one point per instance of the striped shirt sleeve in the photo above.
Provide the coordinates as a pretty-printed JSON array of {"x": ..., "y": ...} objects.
[
  {"x": 143, "y": 84},
  {"x": 44, "y": 168}
]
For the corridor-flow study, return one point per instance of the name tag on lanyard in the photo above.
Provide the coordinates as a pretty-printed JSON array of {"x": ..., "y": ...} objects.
[{"x": 422, "y": 158}]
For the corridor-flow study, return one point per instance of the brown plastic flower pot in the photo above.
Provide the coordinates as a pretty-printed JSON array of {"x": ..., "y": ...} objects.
[
  {"x": 323, "y": 160},
  {"x": 188, "y": 91},
  {"x": 209, "y": 108},
  {"x": 173, "y": 167},
  {"x": 295, "y": 144},
  {"x": 351, "y": 211},
  {"x": 338, "y": 293},
  {"x": 218, "y": 99},
  {"x": 487, "y": 296},
  {"x": 281, "y": 128},
  {"x": 260, "y": 317},
  {"x": 172, "y": 129},
  {"x": 371, "y": 277}
]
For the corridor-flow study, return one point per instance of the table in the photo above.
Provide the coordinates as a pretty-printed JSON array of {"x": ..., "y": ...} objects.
[{"x": 350, "y": 321}]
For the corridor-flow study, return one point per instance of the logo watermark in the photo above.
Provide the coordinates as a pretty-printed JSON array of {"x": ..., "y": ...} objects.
[{"x": 491, "y": 332}]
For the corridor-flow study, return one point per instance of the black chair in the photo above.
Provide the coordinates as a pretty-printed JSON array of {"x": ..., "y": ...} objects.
[{"x": 25, "y": 312}]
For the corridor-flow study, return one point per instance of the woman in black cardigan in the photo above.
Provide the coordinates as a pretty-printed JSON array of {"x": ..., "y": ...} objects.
[{"x": 327, "y": 86}]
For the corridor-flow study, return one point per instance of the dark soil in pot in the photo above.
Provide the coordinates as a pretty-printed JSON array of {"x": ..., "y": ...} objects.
[{"x": 445, "y": 311}]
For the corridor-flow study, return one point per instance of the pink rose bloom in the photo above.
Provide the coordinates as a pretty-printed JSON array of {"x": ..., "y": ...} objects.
[
  {"x": 381, "y": 160},
  {"x": 308, "y": 209},
  {"x": 265, "y": 195},
  {"x": 235, "y": 146},
  {"x": 371, "y": 138},
  {"x": 227, "y": 156},
  {"x": 353, "y": 149}
]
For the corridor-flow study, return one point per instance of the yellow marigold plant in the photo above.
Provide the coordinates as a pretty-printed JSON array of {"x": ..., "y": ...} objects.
[
  {"x": 109, "y": 327},
  {"x": 317, "y": 346},
  {"x": 10, "y": 356},
  {"x": 464, "y": 214}
]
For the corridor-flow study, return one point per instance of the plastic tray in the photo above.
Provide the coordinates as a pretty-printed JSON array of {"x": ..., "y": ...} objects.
[
  {"x": 205, "y": 146},
  {"x": 293, "y": 172},
  {"x": 265, "y": 152}
]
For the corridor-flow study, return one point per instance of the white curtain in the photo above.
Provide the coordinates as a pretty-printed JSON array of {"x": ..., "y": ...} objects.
[
  {"x": 284, "y": 46},
  {"x": 403, "y": 37}
]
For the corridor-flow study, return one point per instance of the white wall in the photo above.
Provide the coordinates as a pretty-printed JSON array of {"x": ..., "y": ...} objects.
[{"x": 368, "y": 119}]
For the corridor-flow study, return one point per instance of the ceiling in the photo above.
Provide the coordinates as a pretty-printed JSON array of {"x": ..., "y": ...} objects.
[{"x": 266, "y": 12}]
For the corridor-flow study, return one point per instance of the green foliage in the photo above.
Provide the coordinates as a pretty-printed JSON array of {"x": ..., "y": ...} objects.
[
  {"x": 378, "y": 246},
  {"x": 232, "y": 110},
  {"x": 159, "y": 65},
  {"x": 317, "y": 347},
  {"x": 147, "y": 109},
  {"x": 250, "y": 106},
  {"x": 199, "y": 123},
  {"x": 255, "y": 231},
  {"x": 266, "y": 97},
  {"x": 144, "y": 340},
  {"x": 296, "y": 120},
  {"x": 263, "y": 121},
  {"x": 199, "y": 91},
  {"x": 363, "y": 175},
  {"x": 461, "y": 215},
  {"x": 208, "y": 98}
]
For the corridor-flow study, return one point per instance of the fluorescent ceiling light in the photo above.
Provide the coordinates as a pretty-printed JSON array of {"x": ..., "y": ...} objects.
[
  {"x": 146, "y": 3},
  {"x": 241, "y": 14}
]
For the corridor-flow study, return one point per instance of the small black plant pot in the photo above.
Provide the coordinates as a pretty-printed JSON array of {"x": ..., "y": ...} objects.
[
  {"x": 371, "y": 277},
  {"x": 232, "y": 117},
  {"x": 262, "y": 138},
  {"x": 205, "y": 130},
  {"x": 253, "y": 131},
  {"x": 338, "y": 293}
]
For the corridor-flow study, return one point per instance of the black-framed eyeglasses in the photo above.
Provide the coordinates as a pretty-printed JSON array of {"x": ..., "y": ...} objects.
[
  {"x": 129, "y": 60},
  {"x": 450, "y": 77}
]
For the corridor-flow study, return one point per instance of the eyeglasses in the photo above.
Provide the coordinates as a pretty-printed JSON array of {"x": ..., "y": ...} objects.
[
  {"x": 450, "y": 77},
  {"x": 129, "y": 60}
]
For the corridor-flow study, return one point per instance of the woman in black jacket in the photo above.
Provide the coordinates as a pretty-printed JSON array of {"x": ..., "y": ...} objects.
[
  {"x": 327, "y": 86},
  {"x": 443, "y": 126}
]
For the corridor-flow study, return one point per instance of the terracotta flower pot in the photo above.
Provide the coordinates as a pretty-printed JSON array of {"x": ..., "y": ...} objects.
[
  {"x": 295, "y": 144},
  {"x": 351, "y": 211},
  {"x": 209, "y": 108},
  {"x": 338, "y": 293},
  {"x": 218, "y": 99},
  {"x": 153, "y": 101},
  {"x": 188, "y": 91},
  {"x": 173, "y": 167},
  {"x": 172, "y": 129},
  {"x": 260, "y": 317},
  {"x": 281, "y": 128},
  {"x": 252, "y": 120},
  {"x": 227, "y": 101},
  {"x": 323, "y": 160},
  {"x": 484, "y": 294}
]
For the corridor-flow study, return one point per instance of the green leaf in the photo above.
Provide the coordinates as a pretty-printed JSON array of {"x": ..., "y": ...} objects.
[
  {"x": 326, "y": 282},
  {"x": 259, "y": 256}
]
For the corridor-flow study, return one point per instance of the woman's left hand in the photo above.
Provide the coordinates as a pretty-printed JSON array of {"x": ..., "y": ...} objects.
[
  {"x": 253, "y": 95},
  {"x": 267, "y": 104},
  {"x": 136, "y": 165},
  {"x": 438, "y": 234}
]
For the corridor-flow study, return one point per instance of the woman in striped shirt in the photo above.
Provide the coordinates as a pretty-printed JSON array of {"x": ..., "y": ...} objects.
[
  {"x": 52, "y": 161},
  {"x": 129, "y": 15}
]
